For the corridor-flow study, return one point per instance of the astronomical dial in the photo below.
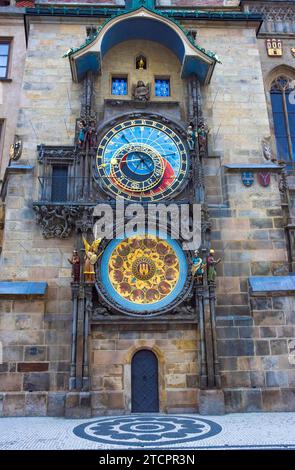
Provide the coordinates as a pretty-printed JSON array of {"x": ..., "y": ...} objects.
[
  {"x": 143, "y": 273},
  {"x": 142, "y": 159}
]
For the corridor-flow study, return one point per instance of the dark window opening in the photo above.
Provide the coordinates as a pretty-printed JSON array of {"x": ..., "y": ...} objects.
[
  {"x": 162, "y": 87},
  {"x": 59, "y": 187},
  {"x": 283, "y": 109}
]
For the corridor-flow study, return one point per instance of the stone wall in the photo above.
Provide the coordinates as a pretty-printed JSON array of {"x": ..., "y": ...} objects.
[
  {"x": 253, "y": 332},
  {"x": 35, "y": 359},
  {"x": 249, "y": 236},
  {"x": 35, "y": 335},
  {"x": 12, "y": 27},
  {"x": 177, "y": 352},
  {"x": 50, "y": 99},
  {"x": 235, "y": 94},
  {"x": 257, "y": 371}
]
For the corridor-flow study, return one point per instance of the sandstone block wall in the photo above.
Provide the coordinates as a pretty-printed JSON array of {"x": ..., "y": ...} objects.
[
  {"x": 234, "y": 102},
  {"x": 260, "y": 375},
  {"x": 35, "y": 359},
  {"x": 248, "y": 235},
  {"x": 177, "y": 352},
  {"x": 12, "y": 28}
]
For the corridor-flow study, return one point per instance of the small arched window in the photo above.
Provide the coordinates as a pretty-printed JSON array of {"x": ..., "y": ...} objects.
[
  {"x": 283, "y": 109},
  {"x": 141, "y": 63}
]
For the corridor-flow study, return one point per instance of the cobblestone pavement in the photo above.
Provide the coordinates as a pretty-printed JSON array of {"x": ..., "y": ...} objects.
[{"x": 251, "y": 430}]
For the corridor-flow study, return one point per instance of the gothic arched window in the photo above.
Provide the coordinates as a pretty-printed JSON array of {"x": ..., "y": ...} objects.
[{"x": 283, "y": 109}]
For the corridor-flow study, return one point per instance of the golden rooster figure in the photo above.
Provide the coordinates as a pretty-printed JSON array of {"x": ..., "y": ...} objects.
[{"x": 90, "y": 259}]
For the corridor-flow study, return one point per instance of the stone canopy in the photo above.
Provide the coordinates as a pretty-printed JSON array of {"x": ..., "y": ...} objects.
[{"x": 147, "y": 25}]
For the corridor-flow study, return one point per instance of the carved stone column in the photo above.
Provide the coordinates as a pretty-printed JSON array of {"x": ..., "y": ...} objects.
[
  {"x": 212, "y": 300},
  {"x": 88, "y": 116},
  {"x": 203, "y": 363},
  {"x": 73, "y": 368},
  {"x": 208, "y": 338},
  {"x": 87, "y": 311}
]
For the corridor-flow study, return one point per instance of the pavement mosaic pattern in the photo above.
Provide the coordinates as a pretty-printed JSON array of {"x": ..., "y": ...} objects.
[
  {"x": 154, "y": 430},
  {"x": 231, "y": 431}
]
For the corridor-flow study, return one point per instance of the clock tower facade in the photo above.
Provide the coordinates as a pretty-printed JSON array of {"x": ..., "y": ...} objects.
[{"x": 147, "y": 239}]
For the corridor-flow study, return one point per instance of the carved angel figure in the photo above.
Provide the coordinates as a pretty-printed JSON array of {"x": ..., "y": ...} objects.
[
  {"x": 141, "y": 92},
  {"x": 90, "y": 259}
]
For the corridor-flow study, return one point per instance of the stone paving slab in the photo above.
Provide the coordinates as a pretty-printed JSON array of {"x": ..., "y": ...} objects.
[{"x": 251, "y": 430}]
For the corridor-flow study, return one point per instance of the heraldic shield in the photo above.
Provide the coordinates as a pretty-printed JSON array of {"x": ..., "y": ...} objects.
[
  {"x": 247, "y": 178},
  {"x": 264, "y": 178}
]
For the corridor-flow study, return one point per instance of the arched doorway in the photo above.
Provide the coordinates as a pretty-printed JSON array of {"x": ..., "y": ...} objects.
[{"x": 144, "y": 382}]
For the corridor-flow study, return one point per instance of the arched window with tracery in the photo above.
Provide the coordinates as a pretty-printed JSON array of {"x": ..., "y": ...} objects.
[{"x": 283, "y": 109}]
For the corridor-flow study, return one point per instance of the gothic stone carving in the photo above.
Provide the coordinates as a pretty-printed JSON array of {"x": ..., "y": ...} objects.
[
  {"x": 60, "y": 221},
  {"x": 52, "y": 154},
  {"x": 56, "y": 221}
]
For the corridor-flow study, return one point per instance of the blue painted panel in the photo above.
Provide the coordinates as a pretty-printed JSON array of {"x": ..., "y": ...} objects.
[
  {"x": 15, "y": 166},
  {"x": 119, "y": 86},
  {"x": 162, "y": 87},
  {"x": 272, "y": 283},
  {"x": 22, "y": 288},
  {"x": 251, "y": 166}
]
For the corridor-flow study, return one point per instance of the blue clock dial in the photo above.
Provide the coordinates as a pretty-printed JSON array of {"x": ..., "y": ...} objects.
[
  {"x": 140, "y": 163},
  {"x": 142, "y": 159}
]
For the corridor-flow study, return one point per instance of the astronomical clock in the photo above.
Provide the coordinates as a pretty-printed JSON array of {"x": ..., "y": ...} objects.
[
  {"x": 142, "y": 160},
  {"x": 145, "y": 161}
]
